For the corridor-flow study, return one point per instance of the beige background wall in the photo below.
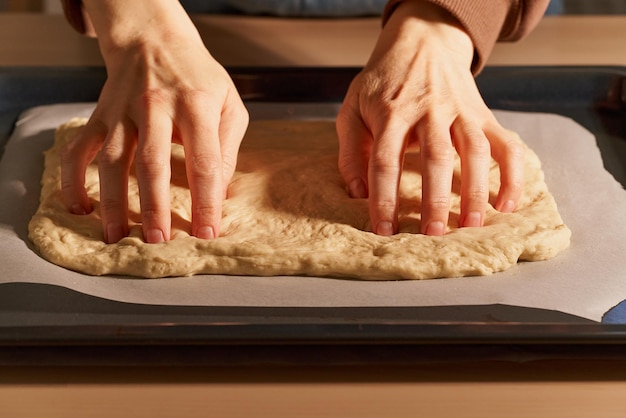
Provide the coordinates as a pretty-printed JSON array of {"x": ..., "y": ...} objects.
[{"x": 48, "y": 6}]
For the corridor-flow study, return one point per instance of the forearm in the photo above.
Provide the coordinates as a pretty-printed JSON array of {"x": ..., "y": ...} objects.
[{"x": 487, "y": 21}]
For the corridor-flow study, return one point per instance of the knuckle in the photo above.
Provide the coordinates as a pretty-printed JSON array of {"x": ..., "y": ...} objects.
[
  {"x": 241, "y": 114},
  {"x": 386, "y": 156},
  {"x": 194, "y": 97},
  {"x": 197, "y": 104},
  {"x": 205, "y": 165},
  {"x": 477, "y": 195},
  {"x": 150, "y": 163},
  {"x": 206, "y": 208},
  {"x": 385, "y": 206},
  {"x": 111, "y": 154},
  {"x": 386, "y": 106},
  {"x": 381, "y": 163},
  {"x": 515, "y": 150},
  {"x": 349, "y": 167},
  {"x": 478, "y": 148},
  {"x": 67, "y": 153},
  {"x": 71, "y": 176},
  {"x": 229, "y": 165},
  {"x": 514, "y": 185},
  {"x": 437, "y": 204},
  {"x": 206, "y": 212},
  {"x": 110, "y": 206},
  {"x": 152, "y": 213},
  {"x": 438, "y": 152},
  {"x": 69, "y": 183},
  {"x": 509, "y": 149},
  {"x": 67, "y": 186},
  {"x": 153, "y": 98}
]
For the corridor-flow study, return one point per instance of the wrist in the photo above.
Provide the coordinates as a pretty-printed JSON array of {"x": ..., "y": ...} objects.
[
  {"x": 421, "y": 21},
  {"x": 122, "y": 25}
]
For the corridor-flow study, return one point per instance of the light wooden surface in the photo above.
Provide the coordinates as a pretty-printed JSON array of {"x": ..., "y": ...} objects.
[
  {"x": 31, "y": 39},
  {"x": 568, "y": 40},
  {"x": 512, "y": 389},
  {"x": 568, "y": 388},
  {"x": 315, "y": 400}
]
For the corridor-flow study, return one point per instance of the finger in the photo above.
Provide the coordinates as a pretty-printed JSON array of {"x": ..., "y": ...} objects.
[
  {"x": 113, "y": 167},
  {"x": 75, "y": 157},
  {"x": 475, "y": 154},
  {"x": 233, "y": 126},
  {"x": 437, "y": 157},
  {"x": 152, "y": 166},
  {"x": 355, "y": 142},
  {"x": 508, "y": 152},
  {"x": 385, "y": 169},
  {"x": 203, "y": 162}
]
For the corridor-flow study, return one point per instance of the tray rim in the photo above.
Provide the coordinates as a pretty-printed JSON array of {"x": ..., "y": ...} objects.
[{"x": 325, "y": 333}]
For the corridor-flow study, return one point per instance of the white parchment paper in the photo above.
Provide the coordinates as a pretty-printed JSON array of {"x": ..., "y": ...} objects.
[{"x": 586, "y": 280}]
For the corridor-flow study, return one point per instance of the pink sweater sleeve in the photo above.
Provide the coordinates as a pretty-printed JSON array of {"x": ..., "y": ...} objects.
[{"x": 489, "y": 21}]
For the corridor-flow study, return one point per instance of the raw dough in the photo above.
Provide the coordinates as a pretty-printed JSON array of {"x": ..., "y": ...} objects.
[{"x": 288, "y": 214}]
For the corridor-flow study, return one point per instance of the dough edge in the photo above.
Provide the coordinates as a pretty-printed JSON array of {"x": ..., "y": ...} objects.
[{"x": 331, "y": 250}]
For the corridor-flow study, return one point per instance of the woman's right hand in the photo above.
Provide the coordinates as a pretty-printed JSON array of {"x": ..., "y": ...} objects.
[{"x": 417, "y": 92}]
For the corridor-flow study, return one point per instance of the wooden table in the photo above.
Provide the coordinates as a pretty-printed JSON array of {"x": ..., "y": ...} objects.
[
  {"x": 34, "y": 40},
  {"x": 510, "y": 387}
]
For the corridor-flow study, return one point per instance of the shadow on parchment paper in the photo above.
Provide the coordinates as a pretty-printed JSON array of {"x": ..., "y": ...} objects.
[
  {"x": 37, "y": 304},
  {"x": 22, "y": 181}
]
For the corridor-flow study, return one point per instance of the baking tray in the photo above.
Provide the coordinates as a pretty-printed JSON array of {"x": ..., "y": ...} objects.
[{"x": 47, "y": 324}]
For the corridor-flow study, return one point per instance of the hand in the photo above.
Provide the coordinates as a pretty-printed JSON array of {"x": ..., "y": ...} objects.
[
  {"x": 417, "y": 91},
  {"x": 163, "y": 86}
]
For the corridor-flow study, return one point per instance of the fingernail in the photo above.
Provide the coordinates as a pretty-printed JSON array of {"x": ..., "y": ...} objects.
[
  {"x": 436, "y": 229},
  {"x": 508, "y": 206},
  {"x": 115, "y": 232},
  {"x": 357, "y": 189},
  {"x": 384, "y": 228},
  {"x": 77, "y": 209},
  {"x": 205, "y": 232},
  {"x": 155, "y": 236},
  {"x": 473, "y": 219}
]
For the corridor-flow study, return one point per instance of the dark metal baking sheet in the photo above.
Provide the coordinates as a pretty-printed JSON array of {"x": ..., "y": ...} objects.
[{"x": 43, "y": 316}]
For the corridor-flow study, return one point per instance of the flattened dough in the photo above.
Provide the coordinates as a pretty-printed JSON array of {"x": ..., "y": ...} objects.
[{"x": 287, "y": 213}]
